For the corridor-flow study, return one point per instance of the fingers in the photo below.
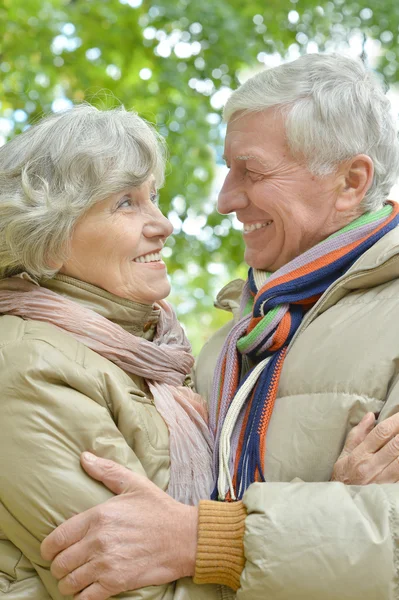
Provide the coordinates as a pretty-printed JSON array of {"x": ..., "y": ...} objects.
[
  {"x": 78, "y": 580},
  {"x": 116, "y": 478},
  {"x": 94, "y": 592},
  {"x": 358, "y": 434},
  {"x": 382, "y": 434},
  {"x": 361, "y": 467},
  {"x": 71, "y": 559},
  {"x": 386, "y": 463},
  {"x": 390, "y": 474},
  {"x": 65, "y": 535}
]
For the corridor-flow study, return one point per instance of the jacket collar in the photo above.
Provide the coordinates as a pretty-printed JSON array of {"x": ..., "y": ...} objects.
[
  {"x": 379, "y": 265},
  {"x": 137, "y": 319}
]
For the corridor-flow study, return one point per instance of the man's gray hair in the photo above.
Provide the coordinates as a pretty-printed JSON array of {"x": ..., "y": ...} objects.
[
  {"x": 52, "y": 173},
  {"x": 335, "y": 108}
]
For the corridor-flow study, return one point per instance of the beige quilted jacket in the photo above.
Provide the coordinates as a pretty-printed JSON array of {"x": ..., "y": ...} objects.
[
  {"x": 57, "y": 399},
  {"x": 313, "y": 539}
]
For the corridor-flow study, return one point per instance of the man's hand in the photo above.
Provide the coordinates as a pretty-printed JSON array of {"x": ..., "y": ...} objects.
[
  {"x": 143, "y": 537},
  {"x": 140, "y": 537},
  {"x": 370, "y": 454}
]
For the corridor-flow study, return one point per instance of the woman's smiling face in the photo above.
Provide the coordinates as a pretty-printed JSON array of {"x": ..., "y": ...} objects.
[{"x": 116, "y": 246}]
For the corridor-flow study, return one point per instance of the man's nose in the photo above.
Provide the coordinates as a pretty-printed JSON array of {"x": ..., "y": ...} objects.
[{"x": 232, "y": 197}]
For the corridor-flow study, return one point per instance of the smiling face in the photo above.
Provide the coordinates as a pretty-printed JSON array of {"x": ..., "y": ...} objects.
[
  {"x": 116, "y": 246},
  {"x": 285, "y": 210}
]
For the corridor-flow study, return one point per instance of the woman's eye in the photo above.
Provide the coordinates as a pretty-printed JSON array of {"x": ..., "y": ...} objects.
[
  {"x": 154, "y": 197},
  {"x": 126, "y": 202}
]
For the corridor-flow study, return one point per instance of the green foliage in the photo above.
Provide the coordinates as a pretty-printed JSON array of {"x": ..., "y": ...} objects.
[{"x": 96, "y": 50}]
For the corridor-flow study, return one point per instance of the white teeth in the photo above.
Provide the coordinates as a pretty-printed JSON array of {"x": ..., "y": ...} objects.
[
  {"x": 253, "y": 226},
  {"x": 155, "y": 257}
]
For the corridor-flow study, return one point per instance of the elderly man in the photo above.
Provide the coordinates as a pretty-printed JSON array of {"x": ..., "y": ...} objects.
[{"x": 313, "y": 348}]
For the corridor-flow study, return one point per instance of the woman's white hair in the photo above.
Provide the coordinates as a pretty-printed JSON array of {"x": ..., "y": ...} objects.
[
  {"x": 334, "y": 109},
  {"x": 51, "y": 174}
]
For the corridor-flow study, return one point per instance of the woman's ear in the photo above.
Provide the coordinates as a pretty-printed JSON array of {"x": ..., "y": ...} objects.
[
  {"x": 55, "y": 264},
  {"x": 357, "y": 176}
]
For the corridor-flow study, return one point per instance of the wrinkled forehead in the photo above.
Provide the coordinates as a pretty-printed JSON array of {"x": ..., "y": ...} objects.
[{"x": 257, "y": 135}]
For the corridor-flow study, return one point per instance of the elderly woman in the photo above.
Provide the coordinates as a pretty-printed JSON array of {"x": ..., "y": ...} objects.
[
  {"x": 313, "y": 153},
  {"x": 92, "y": 358}
]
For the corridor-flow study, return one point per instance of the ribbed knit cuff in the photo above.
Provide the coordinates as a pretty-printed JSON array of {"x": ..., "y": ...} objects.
[{"x": 220, "y": 549}]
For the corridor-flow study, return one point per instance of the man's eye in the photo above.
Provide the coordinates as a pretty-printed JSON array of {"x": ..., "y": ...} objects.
[{"x": 253, "y": 175}]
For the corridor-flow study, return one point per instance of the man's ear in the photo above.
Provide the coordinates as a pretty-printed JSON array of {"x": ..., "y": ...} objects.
[{"x": 356, "y": 175}]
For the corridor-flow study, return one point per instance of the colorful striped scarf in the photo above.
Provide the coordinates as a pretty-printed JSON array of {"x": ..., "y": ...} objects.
[{"x": 248, "y": 370}]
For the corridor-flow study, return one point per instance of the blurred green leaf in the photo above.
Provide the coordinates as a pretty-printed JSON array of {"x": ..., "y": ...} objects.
[{"x": 167, "y": 59}]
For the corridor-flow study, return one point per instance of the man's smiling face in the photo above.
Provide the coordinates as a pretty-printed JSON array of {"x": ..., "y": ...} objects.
[{"x": 285, "y": 209}]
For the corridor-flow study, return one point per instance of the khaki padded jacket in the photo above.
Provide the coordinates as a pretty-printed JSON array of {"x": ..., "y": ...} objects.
[
  {"x": 311, "y": 539},
  {"x": 57, "y": 399}
]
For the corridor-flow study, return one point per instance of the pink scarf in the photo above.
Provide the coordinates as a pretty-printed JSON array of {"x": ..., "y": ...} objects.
[{"x": 164, "y": 363}]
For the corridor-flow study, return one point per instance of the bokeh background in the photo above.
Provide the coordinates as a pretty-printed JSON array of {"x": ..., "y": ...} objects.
[{"x": 176, "y": 62}]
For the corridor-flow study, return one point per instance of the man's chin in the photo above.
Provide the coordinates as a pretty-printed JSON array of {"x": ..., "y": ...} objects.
[{"x": 262, "y": 263}]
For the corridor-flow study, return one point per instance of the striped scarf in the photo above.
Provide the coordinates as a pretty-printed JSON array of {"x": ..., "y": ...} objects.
[{"x": 249, "y": 366}]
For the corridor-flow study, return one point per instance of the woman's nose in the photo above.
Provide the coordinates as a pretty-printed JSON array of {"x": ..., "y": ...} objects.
[{"x": 158, "y": 225}]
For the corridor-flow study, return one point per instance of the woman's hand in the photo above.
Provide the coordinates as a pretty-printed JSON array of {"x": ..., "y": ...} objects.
[
  {"x": 138, "y": 538},
  {"x": 370, "y": 454}
]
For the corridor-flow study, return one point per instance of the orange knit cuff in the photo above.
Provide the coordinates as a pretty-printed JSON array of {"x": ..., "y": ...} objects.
[{"x": 220, "y": 549}]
